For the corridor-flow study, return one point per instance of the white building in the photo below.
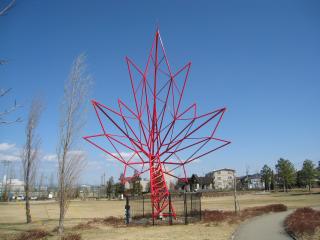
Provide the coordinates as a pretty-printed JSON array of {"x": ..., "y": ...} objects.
[
  {"x": 12, "y": 184},
  {"x": 223, "y": 179},
  {"x": 144, "y": 183}
]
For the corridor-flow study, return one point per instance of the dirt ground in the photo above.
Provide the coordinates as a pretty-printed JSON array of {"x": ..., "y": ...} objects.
[{"x": 45, "y": 215}]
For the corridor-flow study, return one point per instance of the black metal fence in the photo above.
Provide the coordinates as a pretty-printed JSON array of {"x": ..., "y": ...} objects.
[{"x": 187, "y": 207}]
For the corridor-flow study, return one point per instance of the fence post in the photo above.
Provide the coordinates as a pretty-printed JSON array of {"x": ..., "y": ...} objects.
[
  {"x": 185, "y": 209},
  {"x": 200, "y": 195},
  {"x": 142, "y": 205},
  {"x": 170, "y": 211},
  {"x": 235, "y": 194},
  {"x": 127, "y": 210},
  {"x": 191, "y": 204}
]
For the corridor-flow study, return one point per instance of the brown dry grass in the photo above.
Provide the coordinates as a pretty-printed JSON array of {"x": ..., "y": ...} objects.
[
  {"x": 178, "y": 232},
  {"x": 44, "y": 211},
  {"x": 45, "y": 216},
  {"x": 304, "y": 223},
  {"x": 292, "y": 200}
]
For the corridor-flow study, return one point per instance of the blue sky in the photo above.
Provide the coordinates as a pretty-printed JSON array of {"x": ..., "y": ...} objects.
[{"x": 260, "y": 59}]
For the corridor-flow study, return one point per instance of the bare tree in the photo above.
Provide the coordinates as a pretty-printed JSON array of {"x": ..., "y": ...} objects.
[
  {"x": 51, "y": 182},
  {"x": 73, "y": 107},
  {"x": 235, "y": 196},
  {"x": 40, "y": 186},
  {"x": 5, "y": 186},
  {"x": 30, "y": 151}
]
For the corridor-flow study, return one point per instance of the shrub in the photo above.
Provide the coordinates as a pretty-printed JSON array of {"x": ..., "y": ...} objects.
[
  {"x": 114, "y": 221},
  {"x": 303, "y": 221},
  {"x": 33, "y": 234},
  {"x": 71, "y": 236},
  {"x": 231, "y": 217},
  {"x": 83, "y": 226},
  {"x": 217, "y": 216}
]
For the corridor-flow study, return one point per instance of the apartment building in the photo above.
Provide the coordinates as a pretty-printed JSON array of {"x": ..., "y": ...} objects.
[{"x": 223, "y": 179}]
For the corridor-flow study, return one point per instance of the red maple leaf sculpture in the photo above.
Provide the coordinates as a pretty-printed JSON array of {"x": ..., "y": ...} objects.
[{"x": 155, "y": 133}]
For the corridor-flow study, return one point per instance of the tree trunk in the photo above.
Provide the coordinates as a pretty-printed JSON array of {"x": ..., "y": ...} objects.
[
  {"x": 235, "y": 194},
  {"x": 61, "y": 218},
  {"x": 285, "y": 186},
  {"x": 62, "y": 202},
  {"x": 28, "y": 214},
  {"x": 61, "y": 221}
]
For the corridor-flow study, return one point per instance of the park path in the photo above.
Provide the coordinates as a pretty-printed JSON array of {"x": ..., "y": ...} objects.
[{"x": 266, "y": 227}]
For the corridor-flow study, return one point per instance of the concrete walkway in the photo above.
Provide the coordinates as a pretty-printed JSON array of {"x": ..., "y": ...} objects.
[{"x": 265, "y": 227}]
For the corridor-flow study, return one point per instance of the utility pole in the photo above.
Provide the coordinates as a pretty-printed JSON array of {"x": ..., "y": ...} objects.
[
  {"x": 247, "y": 177},
  {"x": 104, "y": 184},
  {"x": 236, "y": 203}
]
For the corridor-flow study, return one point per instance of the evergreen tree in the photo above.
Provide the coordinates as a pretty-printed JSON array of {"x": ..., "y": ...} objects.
[
  {"x": 136, "y": 185},
  {"x": 118, "y": 188},
  {"x": 286, "y": 173},
  {"x": 110, "y": 185},
  {"x": 308, "y": 173},
  {"x": 300, "y": 182},
  {"x": 266, "y": 175}
]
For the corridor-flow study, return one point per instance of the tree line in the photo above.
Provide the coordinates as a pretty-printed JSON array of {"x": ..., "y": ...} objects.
[
  {"x": 113, "y": 189},
  {"x": 286, "y": 176}
]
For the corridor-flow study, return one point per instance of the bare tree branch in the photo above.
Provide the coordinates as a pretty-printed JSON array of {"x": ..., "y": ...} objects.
[
  {"x": 6, "y": 112},
  {"x": 10, "y": 110},
  {"x": 4, "y": 10},
  {"x": 3, "y": 61},
  {"x": 4, "y": 91},
  {"x": 73, "y": 109},
  {"x": 30, "y": 151}
]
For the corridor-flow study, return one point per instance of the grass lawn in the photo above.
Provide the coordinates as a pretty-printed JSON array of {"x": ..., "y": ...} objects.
[{"x": 45, "y": 216}]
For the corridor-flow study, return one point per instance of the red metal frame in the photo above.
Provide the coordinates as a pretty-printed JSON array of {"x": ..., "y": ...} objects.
[{"x": 155, "y": 132}]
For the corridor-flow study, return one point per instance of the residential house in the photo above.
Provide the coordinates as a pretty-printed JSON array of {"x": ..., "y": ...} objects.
[
  {"x": 251, "y": 182},
  {"x": 196, "y": 183}
]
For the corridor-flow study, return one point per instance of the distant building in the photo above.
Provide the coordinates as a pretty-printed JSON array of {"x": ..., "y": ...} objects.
[
  {"x": 144, "y": 183},
  {"x": 13, "y": 185},
  {"x": 196, "y": 183},
  {"x": 223, "y": 179},
  {"x": 251, "y": 182},
  {"x": 255, "y": 182}
]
